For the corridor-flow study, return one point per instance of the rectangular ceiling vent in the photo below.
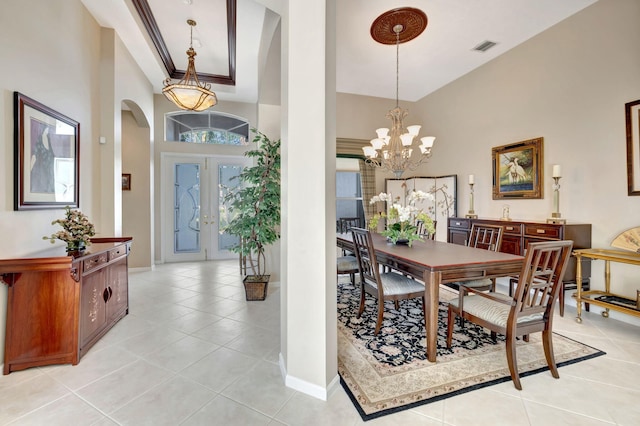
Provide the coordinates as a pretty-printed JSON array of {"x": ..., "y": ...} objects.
[{"x": 484, "y": 46}]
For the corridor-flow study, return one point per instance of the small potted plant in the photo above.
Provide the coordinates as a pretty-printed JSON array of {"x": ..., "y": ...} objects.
[
  {"x": 255, "y": 209},
  {"x": 76, "y": 231}
]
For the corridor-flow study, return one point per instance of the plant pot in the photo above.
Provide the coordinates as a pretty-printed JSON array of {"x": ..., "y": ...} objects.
[
  {"x": 75, "y": 248},
  {"x": 399, "y": 242},
  {"x": 255, "y": 287}
]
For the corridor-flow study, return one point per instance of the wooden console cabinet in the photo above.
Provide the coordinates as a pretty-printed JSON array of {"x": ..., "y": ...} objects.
[
  {"x": 58, "y": 306},
  {"x": 518, "y": 234}
]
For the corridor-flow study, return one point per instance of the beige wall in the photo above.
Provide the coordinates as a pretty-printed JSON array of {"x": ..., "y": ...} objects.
[
  {"x": 568, "y": 85},
  {"x": 136, "y": 209},
  {"x": 51, "y": 52}
]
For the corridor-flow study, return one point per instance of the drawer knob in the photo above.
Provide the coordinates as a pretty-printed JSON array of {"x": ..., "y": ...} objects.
[
  {"x": 509, "y": 228},
  {"x": 458, "y": 224},
  {"x": 540, "y": 231}
]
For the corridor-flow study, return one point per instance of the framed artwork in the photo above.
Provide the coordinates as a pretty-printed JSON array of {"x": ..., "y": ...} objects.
[
  {"x": 47, "y": 161},
  {"x": 126, "y": 181},
  {"x": 632, "y": 115},
  {"x": 517, "y": 170}
]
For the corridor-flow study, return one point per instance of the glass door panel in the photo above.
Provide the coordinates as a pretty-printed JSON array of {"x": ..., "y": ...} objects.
[
  {"x": 195, "y": 213},
  {"x": 227, "y": 169}
]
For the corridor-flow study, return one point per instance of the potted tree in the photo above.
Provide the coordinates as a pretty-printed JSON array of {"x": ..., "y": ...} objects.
[{"x": 255, "y": 208}]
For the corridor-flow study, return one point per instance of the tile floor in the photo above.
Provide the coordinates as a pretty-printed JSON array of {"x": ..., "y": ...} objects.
[{"x": 192, "y": 351}]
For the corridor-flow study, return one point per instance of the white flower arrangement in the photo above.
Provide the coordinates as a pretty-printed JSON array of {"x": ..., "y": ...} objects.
[{"x": 402, "y": 221}]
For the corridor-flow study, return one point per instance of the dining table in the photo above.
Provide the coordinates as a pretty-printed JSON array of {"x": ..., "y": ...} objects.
[{"x": 436, "y": 263}]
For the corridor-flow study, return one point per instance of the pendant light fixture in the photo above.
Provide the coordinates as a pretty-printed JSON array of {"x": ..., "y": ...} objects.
[
  {"x": 190, "y": 94},
  {"x": 392, "y": 150}
]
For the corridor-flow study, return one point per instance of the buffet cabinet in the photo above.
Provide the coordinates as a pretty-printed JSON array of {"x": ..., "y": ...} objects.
[
  {"x": 518, "y": 234},
  {"x": 59, "y": 306}
]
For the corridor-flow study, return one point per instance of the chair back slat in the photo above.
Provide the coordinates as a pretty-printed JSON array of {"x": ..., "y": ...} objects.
[
  {"x": 346, "y": 223},
  {"x": 366, "y": 255},
  {"x": 541, "y": 277},
  {"x": 488, "y": 237},
  {"x": 421, "y": 230}
]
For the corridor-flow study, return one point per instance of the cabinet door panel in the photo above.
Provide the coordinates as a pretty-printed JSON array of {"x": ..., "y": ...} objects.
[
  {"x": 458, "y": 237},
  {"x": 92, "y": 306},
  {"x": 118, "y": 290},
  {"x": 511, "y": 244}
]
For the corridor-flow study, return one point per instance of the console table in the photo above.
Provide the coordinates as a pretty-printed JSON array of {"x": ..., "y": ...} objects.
[
  {"x": 519, "y": 233},
  {"x": 59, "y": 306},
  {"x": 605, "y": 298}
]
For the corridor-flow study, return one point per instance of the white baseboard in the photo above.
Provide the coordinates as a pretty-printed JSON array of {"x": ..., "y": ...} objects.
[
  {"x": 142, "y": 269},
  {"x": 305, "y": 387}
]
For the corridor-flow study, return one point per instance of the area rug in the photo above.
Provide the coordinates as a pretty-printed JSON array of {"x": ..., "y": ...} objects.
[{"x": 388, "y": 373}]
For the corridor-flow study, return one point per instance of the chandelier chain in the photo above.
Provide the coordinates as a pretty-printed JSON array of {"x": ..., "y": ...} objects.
[{"x": 397, "y": 68}]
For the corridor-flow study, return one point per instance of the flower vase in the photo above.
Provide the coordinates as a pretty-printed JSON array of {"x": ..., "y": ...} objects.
[{"x": 75, "y": 248}]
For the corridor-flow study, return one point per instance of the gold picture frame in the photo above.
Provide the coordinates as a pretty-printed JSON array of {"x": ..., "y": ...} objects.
[{"x": 518, "y": 171}]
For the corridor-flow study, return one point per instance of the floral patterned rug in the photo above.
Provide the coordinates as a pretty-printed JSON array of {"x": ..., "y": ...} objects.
[{"x": 388, "y": 373}]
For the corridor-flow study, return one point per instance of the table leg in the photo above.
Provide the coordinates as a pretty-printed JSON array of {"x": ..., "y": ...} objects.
[
  {"x": 432, "y": 295},
  {"x": 579, "y": 288},
  {"x": 607, "y": 283}
]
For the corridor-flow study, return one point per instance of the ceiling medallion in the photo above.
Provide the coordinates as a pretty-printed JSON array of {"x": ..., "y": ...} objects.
[{"x": 412, "y": 20}]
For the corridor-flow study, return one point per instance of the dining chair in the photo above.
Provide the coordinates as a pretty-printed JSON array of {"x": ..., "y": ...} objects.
[
  {"x": 348, "y": 264},
  {"x": 383, "y": 286},
  {"x": 423, "y": 232},
  {"x": 530, "y": 309},
  {"x": 487, "y": 237},
  {"x": 346, "y": 223}
]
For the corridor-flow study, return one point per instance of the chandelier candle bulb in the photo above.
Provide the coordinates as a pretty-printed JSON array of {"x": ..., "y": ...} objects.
[
  {"x": 556, "y": 171},
  {"x": 414, "y": 129},
  {"x": 382, "y": 132},
  {"x": 428, "y": 141}
]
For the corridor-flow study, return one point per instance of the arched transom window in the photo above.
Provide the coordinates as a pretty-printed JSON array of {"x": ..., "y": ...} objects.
[{"x": 207, "y": 127}]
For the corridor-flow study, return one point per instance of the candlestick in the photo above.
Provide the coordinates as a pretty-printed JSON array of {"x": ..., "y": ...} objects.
[
  {"x": 472, "y": 214},
  {"x": 555, "y": 215}
]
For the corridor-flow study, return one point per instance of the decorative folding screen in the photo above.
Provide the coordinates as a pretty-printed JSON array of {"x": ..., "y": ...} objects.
[{"x": 444, "y": 203}]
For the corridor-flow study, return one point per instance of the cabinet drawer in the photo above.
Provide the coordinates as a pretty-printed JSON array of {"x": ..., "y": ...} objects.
[
  {"x": 117, "y": 252},
  {"x": 540, "y": 230},
  {"x": 459, "y": 223},
  {"x": 512, "y": 228},
  {"x": 94, "y": 262}
]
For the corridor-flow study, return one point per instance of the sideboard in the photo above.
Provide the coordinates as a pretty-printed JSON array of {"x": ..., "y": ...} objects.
[
  {"x": 518, "y": 233},
  {"x": 59, "y": 306}
]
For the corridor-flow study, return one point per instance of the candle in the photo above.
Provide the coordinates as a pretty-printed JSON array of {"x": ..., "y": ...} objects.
[
  {"x": 556, "y": 171},
  {"x": 471, "y": 179}
]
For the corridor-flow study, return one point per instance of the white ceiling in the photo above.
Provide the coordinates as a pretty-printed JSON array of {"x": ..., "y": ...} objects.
[{"x": 441, "y": 54}]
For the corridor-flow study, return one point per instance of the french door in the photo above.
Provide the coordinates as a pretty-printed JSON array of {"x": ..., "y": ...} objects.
[{"x": 195, "y": 213}]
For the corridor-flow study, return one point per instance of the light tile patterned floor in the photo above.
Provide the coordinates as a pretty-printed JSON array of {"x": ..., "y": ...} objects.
[{"x": 192, "y": 351}]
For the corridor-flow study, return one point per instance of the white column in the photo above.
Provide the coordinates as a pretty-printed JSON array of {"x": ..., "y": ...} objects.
[{"x": 309, "y": 342}]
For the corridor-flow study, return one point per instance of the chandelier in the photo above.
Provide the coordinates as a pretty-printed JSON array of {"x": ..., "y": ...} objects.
[
  {"x": 189, "y": 93},
  {"x": 393, "y": 148}
]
